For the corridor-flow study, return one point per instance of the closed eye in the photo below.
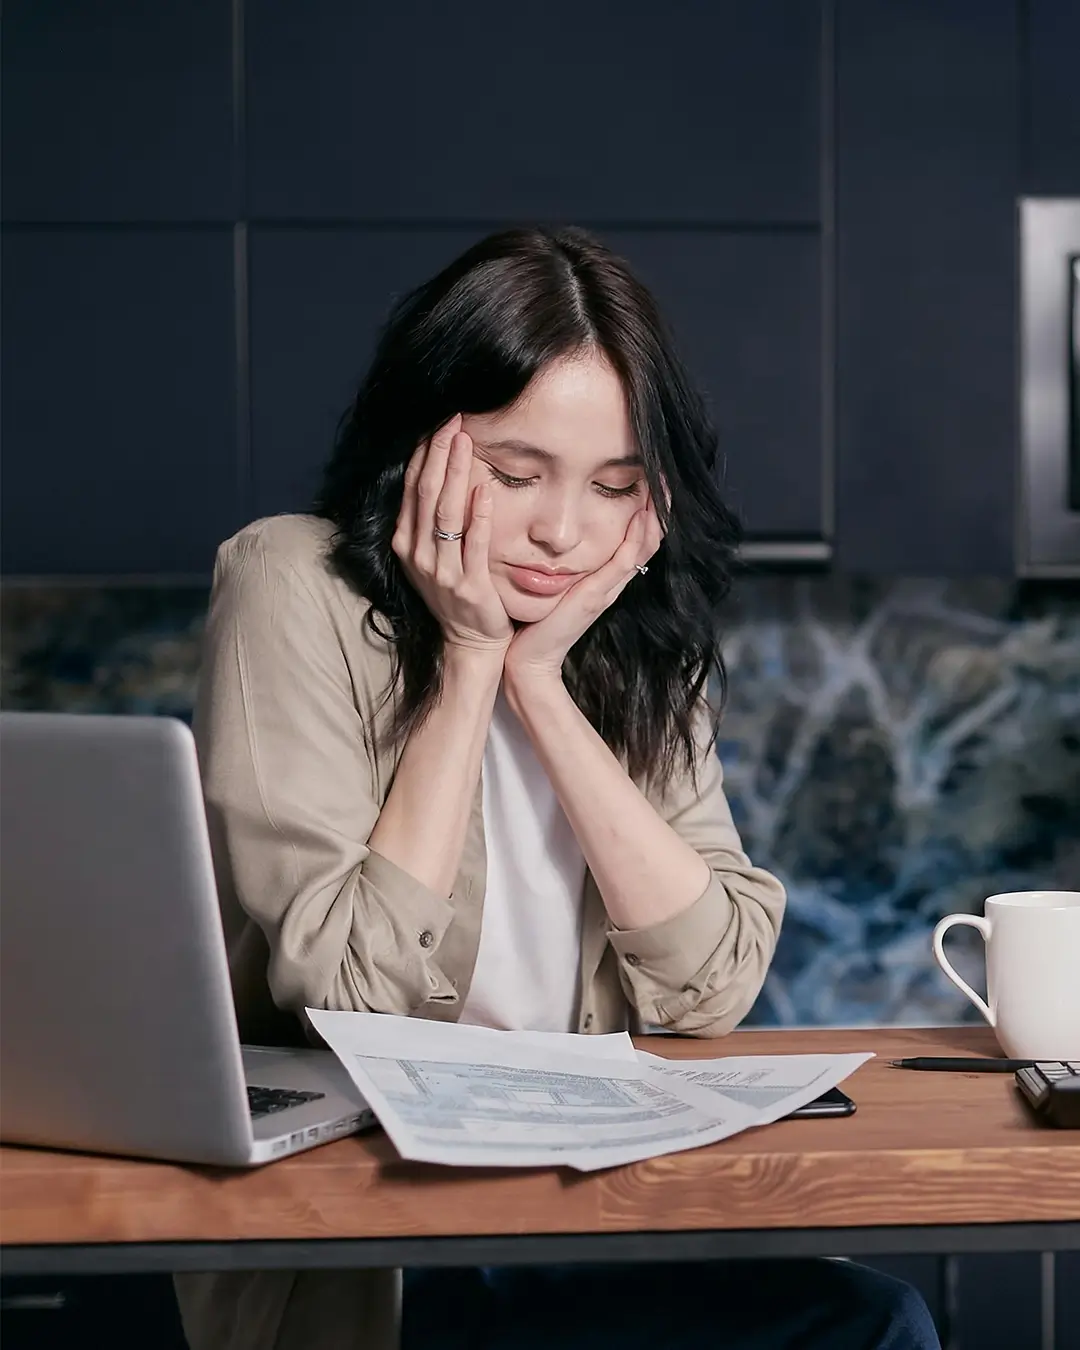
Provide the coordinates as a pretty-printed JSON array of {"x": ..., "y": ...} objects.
[
  {"x": 508, "y": 480},
  {"x": 605, "y": 489}
]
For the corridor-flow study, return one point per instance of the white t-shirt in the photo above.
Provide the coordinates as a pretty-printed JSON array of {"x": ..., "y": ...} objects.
[{"x": 527, "y": 974}]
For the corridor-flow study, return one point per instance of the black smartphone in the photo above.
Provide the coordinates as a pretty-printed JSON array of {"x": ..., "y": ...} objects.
[{"x": 831, "y": 1103}]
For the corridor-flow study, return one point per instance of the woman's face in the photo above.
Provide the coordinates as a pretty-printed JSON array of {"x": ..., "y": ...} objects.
[{"x": 565, "y": 479}]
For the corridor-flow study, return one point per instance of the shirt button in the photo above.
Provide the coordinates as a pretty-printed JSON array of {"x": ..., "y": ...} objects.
[
  {"x": 631, "y": 959},
  {"x": 426, "y": 939},
  {"x": 588, "y": 1021}
]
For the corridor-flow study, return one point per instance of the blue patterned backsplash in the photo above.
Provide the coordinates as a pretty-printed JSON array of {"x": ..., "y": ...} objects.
[{"x": 895, "y": 751}]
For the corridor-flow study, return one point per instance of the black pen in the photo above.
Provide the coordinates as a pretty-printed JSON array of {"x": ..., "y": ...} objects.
[{"x": 964, "y": 1065}]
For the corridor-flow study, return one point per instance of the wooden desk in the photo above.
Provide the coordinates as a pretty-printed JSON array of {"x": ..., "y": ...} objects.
[{"x": 930, "y": 1162}]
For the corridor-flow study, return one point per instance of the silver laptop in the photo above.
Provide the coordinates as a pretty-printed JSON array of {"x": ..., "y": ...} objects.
[{"x": 117, "y": 1028}]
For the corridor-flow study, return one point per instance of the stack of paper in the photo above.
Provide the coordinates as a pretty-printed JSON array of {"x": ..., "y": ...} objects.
[{"x": 447, "y": 1093}]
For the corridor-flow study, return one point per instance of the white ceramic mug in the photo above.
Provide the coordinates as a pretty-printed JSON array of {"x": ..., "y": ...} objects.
[{"x": 1032, "y": 971}]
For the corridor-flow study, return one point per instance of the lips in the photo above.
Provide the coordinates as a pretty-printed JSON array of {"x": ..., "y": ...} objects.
[{"x": 535, "y": 581}]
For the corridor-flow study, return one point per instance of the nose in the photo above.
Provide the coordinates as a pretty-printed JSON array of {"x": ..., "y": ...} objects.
[{"x": 556, "y": 522}]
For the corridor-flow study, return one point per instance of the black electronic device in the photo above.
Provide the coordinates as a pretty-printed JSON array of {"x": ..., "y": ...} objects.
[
  {"x": 831, "y": 1103},
  {"x": 1052, "y": 1087}
]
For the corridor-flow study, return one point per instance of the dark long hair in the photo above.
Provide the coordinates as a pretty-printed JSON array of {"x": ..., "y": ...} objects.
[{"x": 470, "y": 340}]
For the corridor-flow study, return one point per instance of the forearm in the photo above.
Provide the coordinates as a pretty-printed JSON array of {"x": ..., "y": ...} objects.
[
  {"x": 643, "y": 870},
  {"x": 422, "y": 824}
]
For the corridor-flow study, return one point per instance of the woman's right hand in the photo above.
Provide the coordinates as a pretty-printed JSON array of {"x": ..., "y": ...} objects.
[{"x": 451, "y": 575}]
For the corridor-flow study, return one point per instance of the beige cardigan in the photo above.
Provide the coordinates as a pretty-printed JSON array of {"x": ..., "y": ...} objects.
[{"x": 290, "y": 724}]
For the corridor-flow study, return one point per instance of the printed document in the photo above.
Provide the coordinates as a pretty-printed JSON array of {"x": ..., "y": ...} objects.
[
  {"x": 772, "y": 1085},
  {"x": 472, "y": 1096}
]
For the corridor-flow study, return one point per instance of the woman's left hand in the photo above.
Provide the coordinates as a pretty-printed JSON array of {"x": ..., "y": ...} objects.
[{"x": 539, "y": 649}]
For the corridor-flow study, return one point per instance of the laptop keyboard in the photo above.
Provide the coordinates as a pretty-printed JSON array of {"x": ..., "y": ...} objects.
[{"x": 264, "y": 1101}]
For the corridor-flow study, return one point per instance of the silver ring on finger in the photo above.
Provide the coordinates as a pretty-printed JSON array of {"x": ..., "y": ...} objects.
[{"x": 449, "y": 535}]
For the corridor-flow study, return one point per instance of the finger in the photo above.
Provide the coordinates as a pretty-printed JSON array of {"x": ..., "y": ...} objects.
[
  {"x": 602, "y": 587},
  {"x": 476, "y": 552},
  {"x": 665, "y": 495},
  {"x": 627, "y": 552},
  {"x": 654, "y": 534},
  {"x": 428, "y": 487},
  {"x": 406, "y": 521},
  {"x": 450, "y": 508},
  {"x": 622, "y": 567}
]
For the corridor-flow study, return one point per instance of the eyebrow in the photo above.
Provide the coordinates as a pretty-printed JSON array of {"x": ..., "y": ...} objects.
[{"x": 536, "y": 452}]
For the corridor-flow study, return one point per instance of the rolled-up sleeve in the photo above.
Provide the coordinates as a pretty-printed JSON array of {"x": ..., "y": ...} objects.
[
  {"x": 286, "y": 762},
  {"x": 699, "y": 971}
]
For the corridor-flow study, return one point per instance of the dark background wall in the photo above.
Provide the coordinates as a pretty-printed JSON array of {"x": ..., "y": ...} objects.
[{"x": 208, "y": 208}]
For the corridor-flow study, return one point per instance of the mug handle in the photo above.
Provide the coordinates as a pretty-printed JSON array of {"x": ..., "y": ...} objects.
[{"x": 972, "y": 921}]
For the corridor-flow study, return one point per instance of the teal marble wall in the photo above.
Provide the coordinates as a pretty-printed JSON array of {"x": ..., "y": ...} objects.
[{"x": 894, "y": 751}]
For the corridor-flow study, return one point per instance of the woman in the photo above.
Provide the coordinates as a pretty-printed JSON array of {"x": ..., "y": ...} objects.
[{"x": 458, "y": 764}]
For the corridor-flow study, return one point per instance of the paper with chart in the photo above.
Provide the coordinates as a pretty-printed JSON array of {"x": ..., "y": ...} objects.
[
  {"x": 482, "y": 1098},
  {"x": 771, "y": 1085},
  {"x": 475, "y": 1097}
]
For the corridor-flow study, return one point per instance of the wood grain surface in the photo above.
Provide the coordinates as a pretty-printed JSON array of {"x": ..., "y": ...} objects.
[{"x": 922, "y": 1148}]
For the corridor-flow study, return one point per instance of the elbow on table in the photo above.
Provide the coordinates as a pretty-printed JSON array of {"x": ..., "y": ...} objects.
[
  {"x": 722, "y": 994},
  {"x": 714, "y": 1014},
  {"x": 368, "y": 944}
]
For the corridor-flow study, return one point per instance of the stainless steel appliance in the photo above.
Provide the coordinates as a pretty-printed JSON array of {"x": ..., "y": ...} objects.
[{"x": 1048, "y": 542}]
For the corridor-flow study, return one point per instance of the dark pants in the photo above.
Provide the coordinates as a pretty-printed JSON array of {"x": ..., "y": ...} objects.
[{"x": 728, "y": 1305}]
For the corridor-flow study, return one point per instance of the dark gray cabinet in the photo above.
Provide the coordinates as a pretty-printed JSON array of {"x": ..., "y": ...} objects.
[
  {"x": 946, "y": 114},
  {"x": 997, "y": 1298},
  {"x": 746, "y": 313},
  {"x": 1050, "y": 147},
  {"x": 1067, "y": 1297},
  {"x": 211, "y": 208},
  {"x": 117, "y": 111},
  {"x": 318, "y": 297},
  {"x": 355, "y": 150},
  {"x": 118, "y": 415},
  {"x": 926, "y": 153},
  {"x": 586, "y": 110},
  {"x": 689, "y": 140}
]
